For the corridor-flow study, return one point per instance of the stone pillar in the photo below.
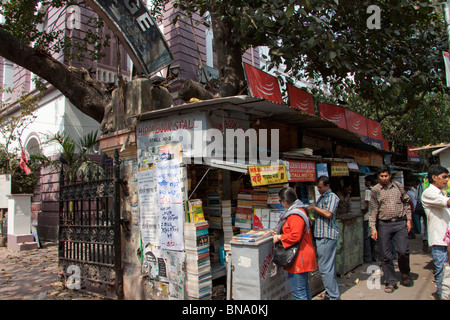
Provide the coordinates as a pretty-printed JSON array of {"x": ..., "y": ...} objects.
[{"x": 19, "y": 223}]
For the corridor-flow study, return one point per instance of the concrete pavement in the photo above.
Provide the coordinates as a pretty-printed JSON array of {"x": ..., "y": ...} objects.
[
  {"x": 359, "y": 284},
  {"x": 33, "y": 275}
]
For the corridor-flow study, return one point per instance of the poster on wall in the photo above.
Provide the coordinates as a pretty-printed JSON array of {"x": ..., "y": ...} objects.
[
  {"x": 170, "y": 204},
  {"x": 321, "y": 169},
  {"x": 148, "y": 206}
]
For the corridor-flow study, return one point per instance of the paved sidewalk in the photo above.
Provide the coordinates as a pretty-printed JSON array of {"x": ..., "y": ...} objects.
[
  {"x": 355, "y": 285},
  {"x": 33, "y": 275}
]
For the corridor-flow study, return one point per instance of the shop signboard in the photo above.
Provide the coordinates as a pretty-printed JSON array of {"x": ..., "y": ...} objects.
[
  {"x": 339, "y": 169},
  {"x": 261, "y": 175},
  {"x": 302, "y": 171},
  {"x": 131, "y": 22}
]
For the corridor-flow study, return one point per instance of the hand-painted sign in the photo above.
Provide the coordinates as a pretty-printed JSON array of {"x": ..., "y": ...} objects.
[{"x": 131, "y": 22}]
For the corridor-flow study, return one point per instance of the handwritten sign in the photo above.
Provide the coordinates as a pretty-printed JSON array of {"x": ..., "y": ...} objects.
[
  {"x": 267, "y": 174},
  {"x": 302, "y": 171},
  {"x": 148, "y": 204},
  {"x": 170, "y": 198}
]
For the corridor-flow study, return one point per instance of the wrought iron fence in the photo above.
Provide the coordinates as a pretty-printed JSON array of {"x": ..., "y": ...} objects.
[{"x": 89, "y": 231}]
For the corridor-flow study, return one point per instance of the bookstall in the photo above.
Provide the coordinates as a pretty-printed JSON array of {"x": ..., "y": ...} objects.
[{"x": 194, "y": 207}]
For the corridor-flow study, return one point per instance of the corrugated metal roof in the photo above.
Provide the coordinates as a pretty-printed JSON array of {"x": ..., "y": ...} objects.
[{"x": 257, "y": 108}]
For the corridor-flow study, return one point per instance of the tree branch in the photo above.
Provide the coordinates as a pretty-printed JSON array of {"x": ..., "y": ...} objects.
[{"x": 88, "y": 95}]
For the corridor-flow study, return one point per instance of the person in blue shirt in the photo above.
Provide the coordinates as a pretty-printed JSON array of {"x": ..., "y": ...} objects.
[{"x": 326, "y": 233}]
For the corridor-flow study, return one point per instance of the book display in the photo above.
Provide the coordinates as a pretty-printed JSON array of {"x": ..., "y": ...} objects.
[
  {"x": 198, "y": 264},
  {"x": 244, "y": 212}
]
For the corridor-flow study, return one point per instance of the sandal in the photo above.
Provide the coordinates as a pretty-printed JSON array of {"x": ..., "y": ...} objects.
[
  {"x": 389, "y": 289},
  {"x": 406, "y": 281}
]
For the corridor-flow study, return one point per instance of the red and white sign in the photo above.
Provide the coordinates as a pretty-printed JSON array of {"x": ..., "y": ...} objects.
[
  {"x": 302, "y": 171},
  {"x": 301, "y": 100},
  {"x": 374, "y": 130},
  {"x": 356, "y": 122},
  {"x": 262, "y": 85},
  {"x": 333, "y": 113}
]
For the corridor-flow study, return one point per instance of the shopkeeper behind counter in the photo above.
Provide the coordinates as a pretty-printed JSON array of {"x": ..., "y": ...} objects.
[{"x": 344, "y": 195}]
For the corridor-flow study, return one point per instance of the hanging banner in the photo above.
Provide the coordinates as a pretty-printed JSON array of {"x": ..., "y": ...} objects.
[
  {"x": 302, "y": 171},
  {"x": 335, "y": 114},
  {"x": 131, "y": 22},
  {"x": 356, "y": 123},
  {"x": 262, "y": 85},
  {"x": 301, "y": 100},
  {"x": 374, "y": 133},
  {"x": 261, "y": 175}
]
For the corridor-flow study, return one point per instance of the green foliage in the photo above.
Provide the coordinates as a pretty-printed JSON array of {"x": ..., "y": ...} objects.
[
  {"x": 382, "y": 73},
  {"x": 73, "y": 154}
]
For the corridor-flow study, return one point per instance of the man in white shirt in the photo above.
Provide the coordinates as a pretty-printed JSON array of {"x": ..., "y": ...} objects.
[{"x": 436, "y": 205}]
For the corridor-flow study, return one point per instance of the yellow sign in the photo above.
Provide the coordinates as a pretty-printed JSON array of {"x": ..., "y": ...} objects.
[
  {"x": 339, "y": 169},
  {"x": 267, "y": 174}
]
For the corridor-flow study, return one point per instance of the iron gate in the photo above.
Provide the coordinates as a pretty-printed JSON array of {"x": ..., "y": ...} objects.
[{"x": 89, "y": 252}]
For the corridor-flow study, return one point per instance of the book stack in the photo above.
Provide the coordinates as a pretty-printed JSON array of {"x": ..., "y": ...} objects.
[
  {"x": 194, "y": 211},
  {"x": 214, "y": 211},
  {"x": 227, "y": 223},
  {"x": 259, "y": 197},
  {"x": 252, "y": 236},
  {"x": 273, "y": 201},
  {"x": 244, "y": 211},
  {"x": 198, "y": 265}
]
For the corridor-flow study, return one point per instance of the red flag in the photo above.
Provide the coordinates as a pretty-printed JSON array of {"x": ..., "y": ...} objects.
[{"x": 23, "y": 163}]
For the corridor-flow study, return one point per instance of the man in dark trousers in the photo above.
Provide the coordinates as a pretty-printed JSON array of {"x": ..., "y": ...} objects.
[{"x": 390, "y": 221}]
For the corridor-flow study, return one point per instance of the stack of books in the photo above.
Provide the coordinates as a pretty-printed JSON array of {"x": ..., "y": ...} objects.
[
  {"x": 198, "y": 264},
  {"x": 259, "y": 197},
  {"x": 244, "y": 211},
  {"x": 227, "y": 223},
  {"x": 194, "y": 211},
  {"x": 214, "y": 211},
  {"x": 273, "y": 201},
  {"x": 252, "y": 236}
]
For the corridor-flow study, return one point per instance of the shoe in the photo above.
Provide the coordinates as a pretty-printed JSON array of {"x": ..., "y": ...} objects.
[
  {"x": 390, "y": 288},
  {"x": 406, "y": 281}
]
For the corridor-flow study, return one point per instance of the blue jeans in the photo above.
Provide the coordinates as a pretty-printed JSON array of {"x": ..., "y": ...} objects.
[
  {"x": 440, "y": 257},
  {"x": 326, "y": 262},
  {"x": 299, "y": 286}
]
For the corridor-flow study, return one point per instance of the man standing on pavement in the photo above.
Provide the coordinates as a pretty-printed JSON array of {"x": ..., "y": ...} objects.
[
  {"x": 326, "y": 234},
  {"x": 436, "y": 205},
  {"x": 390, "y": 219}
]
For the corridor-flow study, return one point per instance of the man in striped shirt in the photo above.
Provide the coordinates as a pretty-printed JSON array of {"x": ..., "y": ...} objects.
[
  {"x": 326, "y": 234},
  {"x": 390, "y": 220}
]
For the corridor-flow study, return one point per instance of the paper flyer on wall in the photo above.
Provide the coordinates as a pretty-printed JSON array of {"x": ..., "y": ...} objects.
[{"x": 170, "y": 204}]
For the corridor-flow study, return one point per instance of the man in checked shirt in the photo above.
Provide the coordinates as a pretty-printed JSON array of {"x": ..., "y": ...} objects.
[{"x": 390, "y": 219}]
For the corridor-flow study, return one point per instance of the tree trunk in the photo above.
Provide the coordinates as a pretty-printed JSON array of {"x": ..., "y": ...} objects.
[
  {"x": 88, "y": 95},
  {"x": 229, "y": 58}
]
